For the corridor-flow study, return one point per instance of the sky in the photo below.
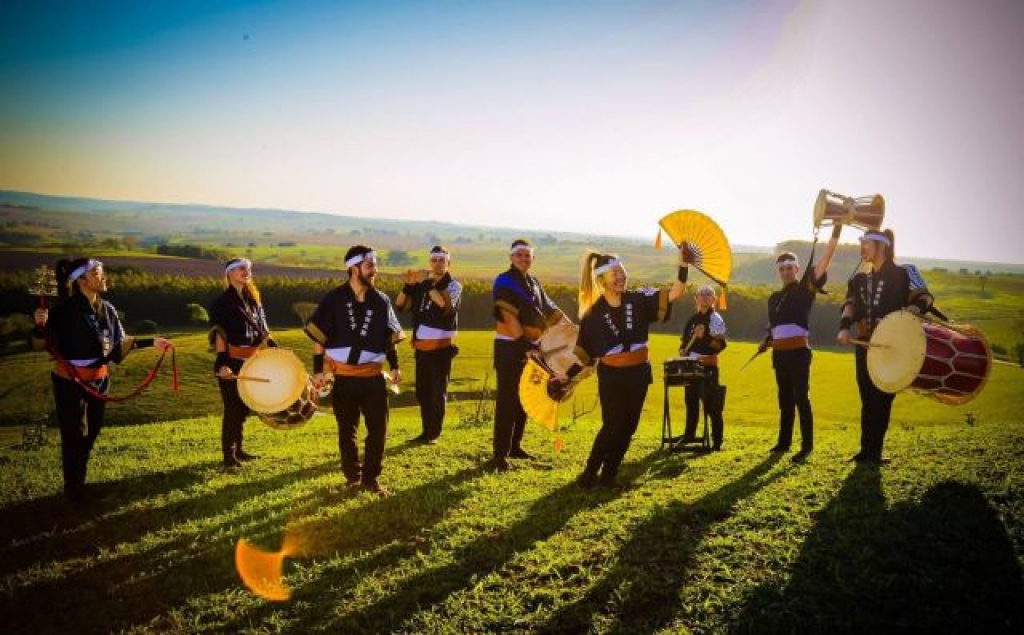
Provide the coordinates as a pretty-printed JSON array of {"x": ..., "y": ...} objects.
[{"x": 589, "y": 116}]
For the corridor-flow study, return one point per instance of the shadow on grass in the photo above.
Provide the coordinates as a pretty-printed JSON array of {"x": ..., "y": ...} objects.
[
  {"x": 944, "y": 564},
  {"x": 50, "y": 528},
  {"x": 484, "y": 554},
  {"x": 641, "y": 592},
  {"x": 140, "y": 587}
]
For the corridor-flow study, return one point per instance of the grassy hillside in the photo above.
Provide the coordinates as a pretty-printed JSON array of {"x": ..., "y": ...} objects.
[
  {"x": 733, "y": 541},
  {"x": 24, "y": 380}
]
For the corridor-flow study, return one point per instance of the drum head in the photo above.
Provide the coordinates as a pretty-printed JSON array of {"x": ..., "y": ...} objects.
[
  {"x": 557, "y": 345},
  {"x": 897, "y": 360},
  {"x": 819, "y": 208},
  {"x": 287, "y": 377}
]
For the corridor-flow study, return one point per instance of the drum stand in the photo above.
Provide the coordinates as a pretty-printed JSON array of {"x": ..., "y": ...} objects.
[{"x": 675, "y": 444}]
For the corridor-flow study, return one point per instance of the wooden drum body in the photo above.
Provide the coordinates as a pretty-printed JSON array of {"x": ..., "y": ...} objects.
[{"x": 946, "y": 364}]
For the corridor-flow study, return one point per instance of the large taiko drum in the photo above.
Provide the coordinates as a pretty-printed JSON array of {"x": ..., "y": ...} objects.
[
  {"x": 286, "y": 399},
  {"x": 680, "y": 371},
  {"x": 951, "y": 366}
]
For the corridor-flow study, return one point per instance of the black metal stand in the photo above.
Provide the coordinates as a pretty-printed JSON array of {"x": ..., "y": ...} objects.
[
  {"x": 34, "y": 435},
  {"x": 676, "y": 443}
]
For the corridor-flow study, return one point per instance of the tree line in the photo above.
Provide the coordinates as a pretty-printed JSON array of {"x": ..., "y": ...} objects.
[{"x": 170, "y": 301}]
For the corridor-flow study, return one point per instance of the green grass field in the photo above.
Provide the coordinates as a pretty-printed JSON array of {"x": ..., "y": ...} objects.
[{"x": 733, "y": 541}]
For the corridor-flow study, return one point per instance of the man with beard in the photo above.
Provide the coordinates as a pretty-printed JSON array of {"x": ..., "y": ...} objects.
[
  {"x": 354, "y": 330},
  {"x": 434, "y": 304}
]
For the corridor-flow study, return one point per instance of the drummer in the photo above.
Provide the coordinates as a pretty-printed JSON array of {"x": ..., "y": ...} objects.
[
  {"x": 354, "y": 330},
  {"x": 789, "y": 313},
  {"x": 522, "y": 312},
  {"x": 613, "y": 331},
  {"x": 239, "y": 329},
  {"x": 434, "y": 303},
  {"x": 703, "y": 339},
  {"x": 871, "y": 296}
]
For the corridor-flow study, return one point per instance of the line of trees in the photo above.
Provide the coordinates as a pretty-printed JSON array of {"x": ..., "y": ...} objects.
[{"x": 174, "y": 301}]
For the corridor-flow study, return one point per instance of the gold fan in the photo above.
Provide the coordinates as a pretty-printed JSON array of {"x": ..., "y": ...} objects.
[
  {"x": 712, "y": 255},
  {"x": 533, "y": 393}
]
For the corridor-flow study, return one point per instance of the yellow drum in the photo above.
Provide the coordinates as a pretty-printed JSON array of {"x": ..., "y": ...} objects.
[{"x": 275, "y": 385}]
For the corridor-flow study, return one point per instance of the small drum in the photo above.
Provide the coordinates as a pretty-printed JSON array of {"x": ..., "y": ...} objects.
[
  {"x": 288, "y": 399},
  {"x": 950, "y": 366},
  {"x": 680, "y": 371},
  {"x": 865, "y": 212},
  {"x": 557, "y": 346}
]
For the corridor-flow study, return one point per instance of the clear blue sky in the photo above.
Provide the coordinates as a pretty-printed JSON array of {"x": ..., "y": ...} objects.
[{"x": 594, "y": 116}]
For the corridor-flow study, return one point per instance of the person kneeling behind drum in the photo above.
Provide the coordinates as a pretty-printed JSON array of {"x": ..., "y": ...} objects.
[{"x": 703, "y": 339}]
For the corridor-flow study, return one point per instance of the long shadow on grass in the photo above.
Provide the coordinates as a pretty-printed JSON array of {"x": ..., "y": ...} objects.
[
  {"x": 50, "y": 529},
  {"x": 476, "y": 559},
  {"x": 944, "y": 565},
  {"x": 140, "y": 587},
  {"x": 641, "y": 593}
]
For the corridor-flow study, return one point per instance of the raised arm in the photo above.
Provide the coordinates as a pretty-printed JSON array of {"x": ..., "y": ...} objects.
[
  {"x": 679, "y": 285},
  {"x": 821, "y": 268}
]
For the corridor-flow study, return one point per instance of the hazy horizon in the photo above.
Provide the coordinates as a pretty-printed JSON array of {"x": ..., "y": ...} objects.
[
  {"x": 849, "y": 233},
  {"x": 599, "y": 115}
]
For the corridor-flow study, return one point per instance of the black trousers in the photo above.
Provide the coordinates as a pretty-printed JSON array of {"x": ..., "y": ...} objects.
[
  {"x": 706, "y": 394},
  {"x": 80, "y": 416},
  {"x": 875, "y": 410},
  {"x": 433, "y": 370},
  {"x": 368, "y": 396},
  {"x": 509, "y": 416},
  {"x": 622, "y": 403},
  {"x": 235, "y": 413},
  {"x": 792, "y": 376}
]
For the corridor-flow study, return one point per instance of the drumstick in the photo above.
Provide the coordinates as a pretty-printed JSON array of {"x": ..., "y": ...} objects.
[
  {"x": 752, "y": 358},
  {"x": 868, "y": 344},
  {"x": 249, "y": 378},
  {"x": 686, "y": 350}
]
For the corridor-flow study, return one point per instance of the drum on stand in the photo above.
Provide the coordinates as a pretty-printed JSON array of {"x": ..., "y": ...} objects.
[
  {"x": 681, "y": 371},
  {"x": 279, "y": 391},
  {"x": 946, "y": 364},
  {"x": 684, "y": 371}
]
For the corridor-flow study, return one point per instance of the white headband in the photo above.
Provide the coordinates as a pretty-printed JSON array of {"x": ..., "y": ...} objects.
[
  {"x": 84, "y": 269},
  {"x": 878, "y": 237},
  {"x": 439, "y": 252},
  {"x": 512, "y": 251},
  {"x": 236, "y": 263},
  {"x": 791, "y": 259},
  {"x": 355, "y": 260},
  {"x": 608, "y": 266}
]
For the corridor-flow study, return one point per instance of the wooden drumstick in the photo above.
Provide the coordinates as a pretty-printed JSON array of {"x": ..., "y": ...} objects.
[
  {"x": 249, "y": 378},
  {"x": 868, "y": 344}
]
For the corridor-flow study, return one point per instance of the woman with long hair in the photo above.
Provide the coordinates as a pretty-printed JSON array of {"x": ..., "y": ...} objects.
[
  {"x": 84, "y": 335},
  {"x": 239, "y": 330},
  {"x": 886, "y": 287},
  {"x": 613, "y": 334}
]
